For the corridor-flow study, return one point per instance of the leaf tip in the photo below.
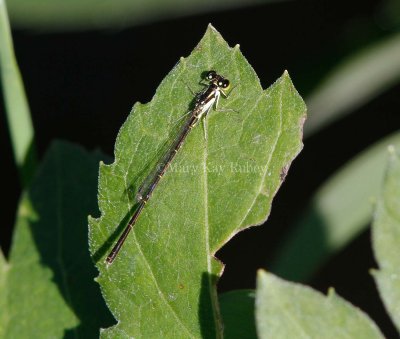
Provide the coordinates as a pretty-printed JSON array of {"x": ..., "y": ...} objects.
[
  {"x": 392, "y": 152},
  {"x": 374, "y": 272},
  {"x": 393, "y": 157},
  {"x": 91, "y": 220},
  {"x": 211, "y": 30},
  {"x": 285, "y": 78},
  {"x": 102, "y": 166},
  {"x": 331, "y": 292},
  {"x": 391, "y": 148},
  {"x": 210, "y": 26},
  {"x": 261, "y": 274}
]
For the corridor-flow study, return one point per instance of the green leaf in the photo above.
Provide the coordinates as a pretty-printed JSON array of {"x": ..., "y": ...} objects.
[
  {"x": 386, "y": 239},
  {"x": 339, "y": 211},
  {"x": 17, "y": 109},
  {"x": 290, "y": 310},
  {"x": 163, "y": 282},
  {"x": 237, "y": 310},
  {"x": 355, "y": 82},
  {"x": 47, "y": 288},
  {"x": 3, "y": 296},
  {"x": 90, "y": 14}
]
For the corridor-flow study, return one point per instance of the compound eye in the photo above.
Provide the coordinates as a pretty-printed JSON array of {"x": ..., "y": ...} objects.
[
  {"x": 211, "y": 75},
  {"x": 224, "y": 84}
]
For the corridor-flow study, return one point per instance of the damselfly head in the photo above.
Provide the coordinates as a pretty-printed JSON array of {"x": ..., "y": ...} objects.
[
  {"x": 217, "y": 79},
  {"x": 223, "y": 83},
  {"x": 211, "y": 75}
]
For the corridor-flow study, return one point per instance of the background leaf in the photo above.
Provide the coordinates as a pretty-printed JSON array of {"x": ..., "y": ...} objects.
[
  {"x": 355, "y": 82},
  {"x": 47, "y": 288},
  {"x": 339, "y": 211},
  {"x": 163, "y": 282},
  {"x": 17, "y": 109},
  {"x": 289, "y": 310},
  {"x": 3, "y": 296},
  {"x": 386, "y": 239},
  {"x": 237, "y": 310},
  {"x": 92, "y": 14}
]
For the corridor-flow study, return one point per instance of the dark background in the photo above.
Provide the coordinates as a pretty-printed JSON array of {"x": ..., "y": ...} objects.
[{"x": 81, "y": 87}]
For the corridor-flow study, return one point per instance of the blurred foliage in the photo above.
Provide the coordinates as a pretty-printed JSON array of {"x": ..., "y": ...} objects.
[
  {"x": 47, "y": 287},
  {"x": 339, "y": 211},
  {"x": 237, "y": 310},
  {"x": 62, "y": 15},
  {"x": 17, "y": 109},
  {"x": 386, "y": 238},
  {"x": 389, "y": 15},
  {"x": 354, "y": 83},
  {"x": 289, "y": 310}
]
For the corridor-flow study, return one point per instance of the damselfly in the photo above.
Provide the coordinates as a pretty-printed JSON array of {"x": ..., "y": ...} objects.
[{"x": 204, "y": 102}]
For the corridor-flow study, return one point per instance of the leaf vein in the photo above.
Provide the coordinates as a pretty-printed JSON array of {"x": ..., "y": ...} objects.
[
  {"x": 269, "y": 159},
  {"x": 161, "y": 293}
]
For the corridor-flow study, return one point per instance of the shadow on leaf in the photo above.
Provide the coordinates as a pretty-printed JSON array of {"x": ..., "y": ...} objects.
[{"x": 62, "y": 195}]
